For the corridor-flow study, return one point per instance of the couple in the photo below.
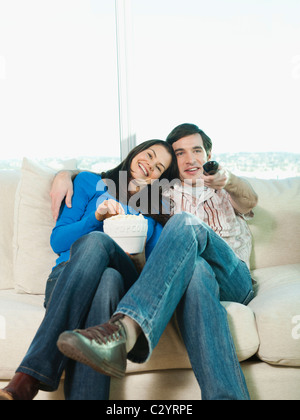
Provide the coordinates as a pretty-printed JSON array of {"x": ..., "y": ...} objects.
[{"x": 88, "y": 283}]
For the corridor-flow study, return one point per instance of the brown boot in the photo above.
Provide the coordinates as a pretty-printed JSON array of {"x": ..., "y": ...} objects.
[{"x": 21, "y": 388}]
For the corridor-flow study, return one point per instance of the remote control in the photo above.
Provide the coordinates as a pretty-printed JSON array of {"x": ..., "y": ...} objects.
[{"x": 211, "y": 168}]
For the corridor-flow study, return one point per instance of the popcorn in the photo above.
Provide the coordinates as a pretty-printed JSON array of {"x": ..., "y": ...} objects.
[{"x": 128, "y": 231}]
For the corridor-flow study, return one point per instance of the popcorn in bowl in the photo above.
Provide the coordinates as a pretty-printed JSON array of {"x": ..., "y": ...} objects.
[{"x": 128, "y": 231}]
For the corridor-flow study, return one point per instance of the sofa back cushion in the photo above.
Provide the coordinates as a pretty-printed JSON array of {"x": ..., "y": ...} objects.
[
  {"x": 8, "y": 184},
  {"x": 33, "y": 256},
  {"x": 276, "y": 225}
]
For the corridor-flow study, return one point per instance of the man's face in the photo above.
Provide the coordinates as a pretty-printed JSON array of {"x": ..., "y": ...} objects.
[{"x": 191, "y": 156}]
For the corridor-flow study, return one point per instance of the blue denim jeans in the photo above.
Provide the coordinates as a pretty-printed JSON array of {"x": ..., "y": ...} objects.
[
  {"x": 190, "y": 271},
  {"x": 81, "y": 293}
]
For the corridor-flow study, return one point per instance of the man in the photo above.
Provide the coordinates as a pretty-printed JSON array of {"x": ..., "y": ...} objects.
[
  {"x": 224, "y": 203},
  {"x": 196, "y": 274}
]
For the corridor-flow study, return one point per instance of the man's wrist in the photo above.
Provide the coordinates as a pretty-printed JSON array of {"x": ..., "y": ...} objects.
[
  {"x": 70, "y": 174},
  {"x": 230, "y": 180}
]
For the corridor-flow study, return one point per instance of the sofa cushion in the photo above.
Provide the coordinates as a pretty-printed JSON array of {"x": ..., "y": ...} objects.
[
  {"x": 276, "y": 225},
  {"x": 33, "y": 256},
  {"x": 242, "y": 325},
  {"x": 8, "y": 185},
  {"x": 21, "y": 315},
  {"x": 170, "y": 352},
  {"x": 277, "y": 311}
]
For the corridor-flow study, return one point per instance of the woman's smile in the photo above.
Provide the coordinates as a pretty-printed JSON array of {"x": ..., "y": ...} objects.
[
  {"x": 144, "y": 170},
  {"x": 150, "y": 164}
]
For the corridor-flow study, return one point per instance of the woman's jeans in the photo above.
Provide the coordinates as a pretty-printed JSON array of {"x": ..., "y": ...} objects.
[
  {"x": 190, "y": 271},
  {"x": 83, "y": 292}
]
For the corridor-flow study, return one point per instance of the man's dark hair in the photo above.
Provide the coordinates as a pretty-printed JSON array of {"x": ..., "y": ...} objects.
[{"x": 185, "y": 130}]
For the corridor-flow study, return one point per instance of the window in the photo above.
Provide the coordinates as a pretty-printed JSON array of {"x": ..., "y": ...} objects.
[
  {"x": 232, "y": 67},
  {"x": 71, "y": 85},
  {"x": 58, "y": 80}
]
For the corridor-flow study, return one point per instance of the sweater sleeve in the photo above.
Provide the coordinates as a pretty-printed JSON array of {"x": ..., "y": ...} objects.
[
  {"x": 73, "y": 222},
  {"x": 154, "y": 232}
]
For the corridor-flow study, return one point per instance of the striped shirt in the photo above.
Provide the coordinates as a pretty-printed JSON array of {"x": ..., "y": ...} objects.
[{"x": 215, "y": 209}]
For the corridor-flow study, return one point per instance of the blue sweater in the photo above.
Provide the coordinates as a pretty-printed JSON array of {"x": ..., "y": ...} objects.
[{"x": 89, "y": 192}]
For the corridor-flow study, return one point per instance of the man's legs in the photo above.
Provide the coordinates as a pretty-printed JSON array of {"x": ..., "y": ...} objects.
[
  {"x": 176, "y": 259},
  {"x": 204, "y": 327}
]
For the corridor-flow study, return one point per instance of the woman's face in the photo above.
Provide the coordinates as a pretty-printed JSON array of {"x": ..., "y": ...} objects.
[{"x": 150, "y": 164}]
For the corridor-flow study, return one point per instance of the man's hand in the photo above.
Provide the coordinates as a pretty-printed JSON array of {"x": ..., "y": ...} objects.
[
  {"x": 242, "y": 196},
  {"x": 62, "y": 187},
  {"x": 217, "y": 181}
]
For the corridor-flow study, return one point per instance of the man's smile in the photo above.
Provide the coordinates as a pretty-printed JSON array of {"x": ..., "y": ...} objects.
[{"x": 193, "y": 170}]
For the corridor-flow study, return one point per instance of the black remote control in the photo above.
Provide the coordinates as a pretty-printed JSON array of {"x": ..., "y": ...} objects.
[{"x": 211, "y": 168}]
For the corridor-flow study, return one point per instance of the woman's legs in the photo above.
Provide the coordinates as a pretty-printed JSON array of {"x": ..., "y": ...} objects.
[
  {"x": 82, "y": 382},
  {"x": 70, "y": 303}
]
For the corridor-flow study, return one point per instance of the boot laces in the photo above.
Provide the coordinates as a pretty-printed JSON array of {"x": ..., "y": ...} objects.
[{"x": 104, "y": 333}]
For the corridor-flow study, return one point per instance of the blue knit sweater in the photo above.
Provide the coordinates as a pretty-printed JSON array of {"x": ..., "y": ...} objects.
[{"x": 89, "y": 192}]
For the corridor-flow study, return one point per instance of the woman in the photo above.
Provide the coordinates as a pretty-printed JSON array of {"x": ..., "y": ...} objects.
[{"x": 92, "y": 272}]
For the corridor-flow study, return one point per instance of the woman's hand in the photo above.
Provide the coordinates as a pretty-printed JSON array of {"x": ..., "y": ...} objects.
[{"x": 107, "y": 209}]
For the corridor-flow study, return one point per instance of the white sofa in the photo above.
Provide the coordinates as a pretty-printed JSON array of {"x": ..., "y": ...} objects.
[{"x": 266, "y": 333}]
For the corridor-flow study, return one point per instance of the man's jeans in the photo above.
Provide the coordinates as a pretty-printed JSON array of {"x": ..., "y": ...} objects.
[
  {"x": 192, "y": 269},
  {"x": 84, "y": 293}
]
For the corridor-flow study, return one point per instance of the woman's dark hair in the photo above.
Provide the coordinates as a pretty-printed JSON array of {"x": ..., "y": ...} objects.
[
  {"x": 124, "y": 196},
  {"x": 185, "y": 130}
]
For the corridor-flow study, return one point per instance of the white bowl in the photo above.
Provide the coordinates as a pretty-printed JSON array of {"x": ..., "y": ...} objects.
[{"x": 129, "y": 232}]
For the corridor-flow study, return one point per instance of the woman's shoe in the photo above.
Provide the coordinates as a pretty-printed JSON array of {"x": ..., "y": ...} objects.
[
  {"x": 21, "y": 388},
  {"x": 103, "y": 347}
]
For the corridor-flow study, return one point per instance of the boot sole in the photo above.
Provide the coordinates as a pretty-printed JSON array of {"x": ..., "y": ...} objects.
[
  {"x": 5, "y": 396},
  {"x": 72, "y": 347}
]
